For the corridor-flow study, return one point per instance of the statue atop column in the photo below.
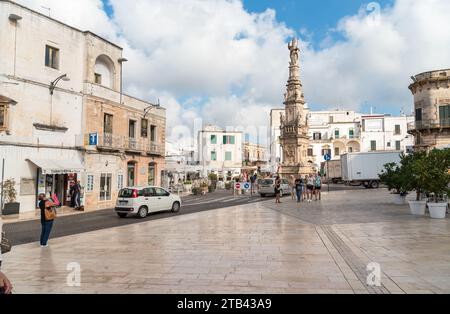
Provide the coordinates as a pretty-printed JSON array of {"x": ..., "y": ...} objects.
[
  {"x": 295, "y": 52},
  {"x": 294, "y": 127}
]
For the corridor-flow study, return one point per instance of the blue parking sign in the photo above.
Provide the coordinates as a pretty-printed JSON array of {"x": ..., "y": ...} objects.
[
  {"x": 93, "y": 139},
  {"x": 327, "y": 157}
]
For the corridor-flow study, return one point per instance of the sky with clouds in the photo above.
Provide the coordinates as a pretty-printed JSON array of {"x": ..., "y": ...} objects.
[{"x": 226, "y": 61}]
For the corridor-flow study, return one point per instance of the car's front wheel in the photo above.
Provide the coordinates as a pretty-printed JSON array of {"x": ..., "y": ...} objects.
[
  {"x": 176, "y": 207},
  {"x": 122, "y": 215},
  {"x": 143, "y": 212}
]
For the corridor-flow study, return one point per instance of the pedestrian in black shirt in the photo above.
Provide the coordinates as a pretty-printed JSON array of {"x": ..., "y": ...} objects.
[{"x": 46, "y": 220}]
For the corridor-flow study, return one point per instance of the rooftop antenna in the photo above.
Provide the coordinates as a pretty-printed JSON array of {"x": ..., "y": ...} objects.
[{"x": 48, "y": 9}]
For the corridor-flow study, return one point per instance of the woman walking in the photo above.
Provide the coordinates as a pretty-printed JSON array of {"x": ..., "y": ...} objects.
[
  {"x": 47, "y": 218},
  {"x": 292, "y": 183},
  {"x": 318, "y": 187},
  {"x": 277, "y": 190}
]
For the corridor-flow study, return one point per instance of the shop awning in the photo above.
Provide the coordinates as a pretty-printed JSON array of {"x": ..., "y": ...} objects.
[{"x": 53, "y": 166}]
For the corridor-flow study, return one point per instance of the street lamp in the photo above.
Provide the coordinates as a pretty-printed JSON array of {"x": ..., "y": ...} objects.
[
  {"x": 53, "y": 84},
  {"x": 51, "y": 88},
  {"x": 121, "y": 61}
]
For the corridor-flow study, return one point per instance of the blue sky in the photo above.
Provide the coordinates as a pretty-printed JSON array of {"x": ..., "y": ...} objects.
[{"x": 317, "y": 17}]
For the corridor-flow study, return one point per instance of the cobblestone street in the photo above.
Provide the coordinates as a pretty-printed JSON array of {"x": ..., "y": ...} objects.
[{"x": 322, "y": 247}]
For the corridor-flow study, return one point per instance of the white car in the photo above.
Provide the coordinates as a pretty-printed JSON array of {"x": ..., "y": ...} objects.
[
  {"x": 267, "y": 187},
  {"x": 142, "y": 201}
]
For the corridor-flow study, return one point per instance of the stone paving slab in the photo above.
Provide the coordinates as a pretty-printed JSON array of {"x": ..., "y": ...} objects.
[{"x": 257, "y": 248}]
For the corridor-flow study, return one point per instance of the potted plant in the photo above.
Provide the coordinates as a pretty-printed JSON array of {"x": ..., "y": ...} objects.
[
  {"x": 416, "y": 176},
  {"x": 204, "y": 188},
  {"x": 196, "y": 191},
  {"x": 438, "y": 163},
  {"x": 10, "y": 194},
  {"x": 394, "y": 178},
  {"x": 187, "y": 185}
]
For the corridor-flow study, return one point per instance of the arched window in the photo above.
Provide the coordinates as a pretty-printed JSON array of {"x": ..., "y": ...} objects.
[{"x": 104, "y": 71}]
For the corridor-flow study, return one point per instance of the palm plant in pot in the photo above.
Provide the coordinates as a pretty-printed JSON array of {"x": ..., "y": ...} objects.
[
  {"x": 10, "y": 194},
  {"x": 437, "y": 185},
  {"x": 415, "y": 169},
  {"x": 393, "y": 176}
]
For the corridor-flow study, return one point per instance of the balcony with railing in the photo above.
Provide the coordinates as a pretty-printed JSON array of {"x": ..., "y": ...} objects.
[
  {"x": 429, "y": 125},
  {"x": 117, "y": 143}
]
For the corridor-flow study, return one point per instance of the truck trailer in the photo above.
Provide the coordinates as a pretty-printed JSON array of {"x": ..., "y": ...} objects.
[{"x": 365, "y": 168}]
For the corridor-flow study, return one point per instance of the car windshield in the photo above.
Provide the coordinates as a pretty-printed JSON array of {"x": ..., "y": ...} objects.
[{"x": 267, "y": 182}]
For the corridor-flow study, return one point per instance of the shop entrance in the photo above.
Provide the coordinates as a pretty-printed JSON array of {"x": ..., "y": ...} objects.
[{"x": 57, "y": 184}]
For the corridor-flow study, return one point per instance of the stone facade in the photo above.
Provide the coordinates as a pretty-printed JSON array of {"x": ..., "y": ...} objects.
[
  {"x": 46, "y": 134},
  {"x": 294, "y": 123},
  {"x": 431, "y": 92}
]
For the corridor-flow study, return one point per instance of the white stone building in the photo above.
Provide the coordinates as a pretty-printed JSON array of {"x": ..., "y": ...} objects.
[
  {"x": 220, "y": 151},
  {"x": 384, "y": 133},
  {"x": 39, "y": 128},
  {"x": 63, "y": 116},
  {"x": 333, "y": 132},
  {"x": 340, "y": 132}
]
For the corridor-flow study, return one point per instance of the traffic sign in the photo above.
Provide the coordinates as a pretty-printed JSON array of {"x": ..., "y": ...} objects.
[
  {"x": 237, "y": 186},
  {"x": 247, "y": 186},
  {"x": 327, "y": 157},
  {"x": 93, "y": 139}
]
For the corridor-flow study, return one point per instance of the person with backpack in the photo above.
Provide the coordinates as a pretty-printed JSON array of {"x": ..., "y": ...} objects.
[{"x": 48, "y": 215}]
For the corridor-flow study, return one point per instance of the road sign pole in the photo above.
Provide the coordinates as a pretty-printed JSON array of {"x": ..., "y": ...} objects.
[{"x": 328, "y": 175}]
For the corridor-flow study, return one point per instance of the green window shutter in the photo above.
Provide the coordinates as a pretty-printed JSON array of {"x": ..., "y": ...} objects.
[
  {"x": 228, "y": 156},
  {"x": 232, "y": 140},
  {"x": 224, "y": 140},
  {"x": 213, "y": 139}
]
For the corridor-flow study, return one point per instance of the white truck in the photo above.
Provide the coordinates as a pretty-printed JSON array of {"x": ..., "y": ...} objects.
[
  {"x": 333, "y": 170},
  {"x": 365, "y": 168}
]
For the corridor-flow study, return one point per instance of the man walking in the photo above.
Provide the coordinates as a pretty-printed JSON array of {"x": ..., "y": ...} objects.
[
  {"x": 299, "y": 189},
  {"x": 47, "y": 219}
]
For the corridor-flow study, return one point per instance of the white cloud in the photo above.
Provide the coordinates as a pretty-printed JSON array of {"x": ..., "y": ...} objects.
[
  {"x": 215, "y": 60},
  {"x": 375, "y": 61}
]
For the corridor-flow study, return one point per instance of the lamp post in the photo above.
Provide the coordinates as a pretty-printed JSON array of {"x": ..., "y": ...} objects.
[
  {"x": 53, "y": 84},
  {"x": 51, "y": 88},
  {"x": 121, "y": 61}
]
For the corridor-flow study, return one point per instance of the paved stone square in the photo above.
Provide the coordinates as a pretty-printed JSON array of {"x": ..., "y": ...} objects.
[{"x": 322, "y": 247}]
